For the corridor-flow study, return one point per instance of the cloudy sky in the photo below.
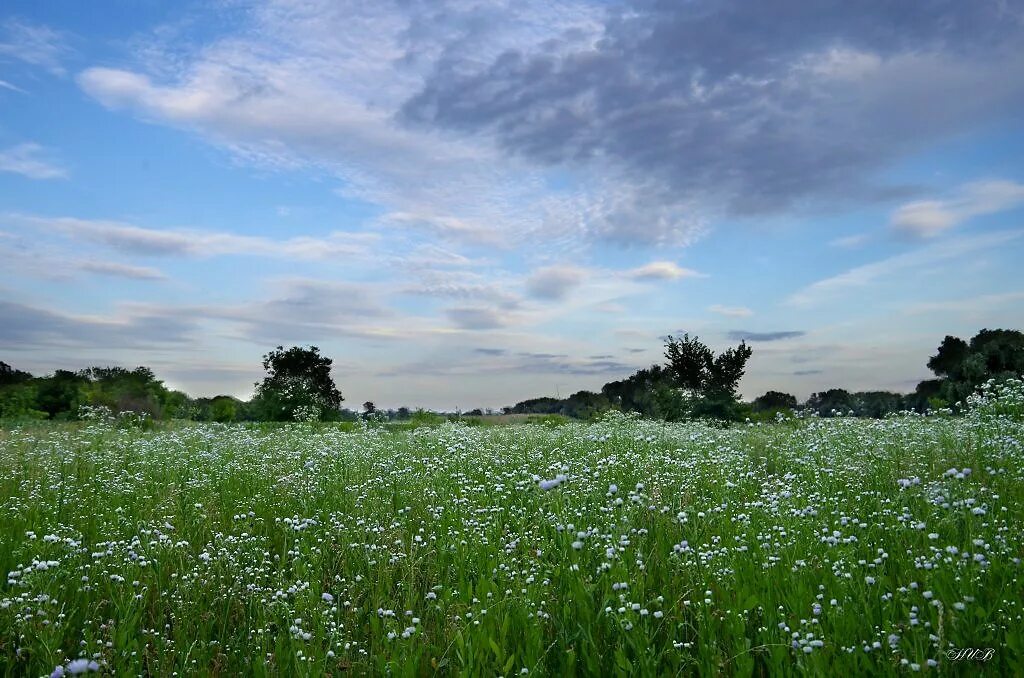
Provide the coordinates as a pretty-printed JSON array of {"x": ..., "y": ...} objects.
[{"x": 471, "y": 202}]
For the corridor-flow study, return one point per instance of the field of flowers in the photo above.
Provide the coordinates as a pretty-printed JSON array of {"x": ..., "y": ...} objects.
[{"x": 624, "y": 547}]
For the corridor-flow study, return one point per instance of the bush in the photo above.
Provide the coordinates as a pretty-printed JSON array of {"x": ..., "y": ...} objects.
[{"x": 998, "y": 399}]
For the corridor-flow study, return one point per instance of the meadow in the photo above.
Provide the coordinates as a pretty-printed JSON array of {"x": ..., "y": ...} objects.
[{"x": 621, "y": 547}]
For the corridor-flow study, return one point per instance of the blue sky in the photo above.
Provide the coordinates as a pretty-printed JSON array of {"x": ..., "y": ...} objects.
[{"x": 471, "y": 203}]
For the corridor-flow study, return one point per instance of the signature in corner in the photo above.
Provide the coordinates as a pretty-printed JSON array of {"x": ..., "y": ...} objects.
[{"x": 976, "y": 654}]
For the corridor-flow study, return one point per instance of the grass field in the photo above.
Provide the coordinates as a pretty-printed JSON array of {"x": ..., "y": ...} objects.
[{"x": 622, "y": 547}]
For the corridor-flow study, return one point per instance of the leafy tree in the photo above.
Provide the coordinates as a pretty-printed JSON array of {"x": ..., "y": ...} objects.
[
  {"x": 927, "y": 395},
  {"x": 877, "y": 404},
  {"x": 9, "y": 375},
  {"x": 538, "y": 406},
  {"x": 948, "y": 361},
  {"x": 124, "y": 390},
  {"x": 18, "y": 401},
  {"x": 585, "y": 405},
  {"x": 712, "y": 381},
  {"x": 831, "y": 402},
  {"x": 369, "y": 407},
  {"x": 963, "y": 367},
  {"x": 696, "y": 367},
  {"x": 18, "y": 395},
  {"x": 298, "y": 380},
  {"x": 61, "y": 395},
  {"x": 224, "y": 409},
  {"x": 775, "y": 400}
]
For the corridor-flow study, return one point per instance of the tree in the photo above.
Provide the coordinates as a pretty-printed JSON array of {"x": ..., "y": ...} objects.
[
  {"x": 9, "y": 375},
  {"x": 696, "y": 367},
  {"x": 124, "y": 390},
  {"x": 61, "y": 394},
  {"x": 712, "y": 381},
  {"x": 947, "y": 362},
  {"x": 831, "y": 402},
  {"x": 224, "y": 408},
  {"x": 369, "y": 407},
  {"x": 877, "y": 404},
  {"x": 298, "y": 383},
  {"x": 775, "y": 400},
  {"x": 962, "y": 367}
]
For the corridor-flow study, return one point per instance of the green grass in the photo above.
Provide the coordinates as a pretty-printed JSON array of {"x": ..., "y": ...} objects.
[{"x": 208, "y": 548}]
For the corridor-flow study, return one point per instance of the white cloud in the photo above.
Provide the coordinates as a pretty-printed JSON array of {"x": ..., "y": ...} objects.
[
  {"x": 199, "y": 243},
  {"x": 34, "y": 44},
  {"x": 554, "y": 282},
  {"x": 476, "y": 318},
  {"x": 929, "y": 218},
  {"x": 985, "y": 303},
  {"x": 663, "y": 270},
  {"x": 889, "y": 270},
  {"x": 318, "y": 85},
  {"x": 731, "y": 311},
  {"x": 14, "y": 88},
  {"x": 117, "y": 270},
  {"x": 30, "y": 160},
  {"x": 849, "y": 241}
]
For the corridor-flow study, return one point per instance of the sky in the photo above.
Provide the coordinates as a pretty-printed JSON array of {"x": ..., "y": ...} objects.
[{"x": 466, "y": 203}]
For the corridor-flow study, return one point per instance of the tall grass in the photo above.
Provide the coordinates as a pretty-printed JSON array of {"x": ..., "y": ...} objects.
[{"x": 818, "y": 547}]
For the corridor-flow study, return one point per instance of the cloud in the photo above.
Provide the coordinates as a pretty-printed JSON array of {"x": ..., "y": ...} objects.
[
  {"x": 745, "y": 335},
  {"x": 14, "y": 88},
  {"x": 316, "y": 85},
  {"x": 462, "y": 285},
  {"x": 731, "y": 311},
  {"x": 461, "y": 118},
  {"x": 25, "y": 326},
  {"x": 306, "y": 310},
  {"x": 849, "y": 241},
  {"x": 116, "y": 270},
  {"x": 134, "y": 239},
  {"x": 805, "y": 373},
  {"x": 475, "y": 318},
  {"x": 979, "y": 304},
  {"x": 446, "y": 227},
  {"x": 662, "y": 270},
  {"x": 34, "y": 44},
  {"x": 517, "y": 364},
  {"x": 30, "y": 160},
  {"x": 900, "y": 265},
  {"x": 929, "y": 218},
  {"x": 554, "y": 283},
  {"x": 810, "y": 106},
  {"x": 491, "y": 351}
]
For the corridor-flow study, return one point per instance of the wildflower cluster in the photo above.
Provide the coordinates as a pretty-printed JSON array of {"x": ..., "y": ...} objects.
[{"x": 625, "y": 546}]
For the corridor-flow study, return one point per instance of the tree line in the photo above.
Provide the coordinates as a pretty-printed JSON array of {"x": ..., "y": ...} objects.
[{"x": 693, "y": 383}]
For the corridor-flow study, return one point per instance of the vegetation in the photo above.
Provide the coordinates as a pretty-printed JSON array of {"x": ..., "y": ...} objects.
[
  {"x": 622, "y": 547},
  {"x": 298, "y": 386},
  {"x": 694, "y": 383},
  {"x": 962, "y": 367}
]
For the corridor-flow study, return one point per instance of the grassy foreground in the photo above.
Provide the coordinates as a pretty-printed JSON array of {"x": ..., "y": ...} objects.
[{"x": 818, "y": 547}]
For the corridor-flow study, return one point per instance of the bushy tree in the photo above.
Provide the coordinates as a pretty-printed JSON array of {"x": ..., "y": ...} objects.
[
  {"x": 18, "y": 401},
  {"x": 963, "y": 367},
  {"x": 61, "y": 394},
  {"x": 831, "y": 402},
  {"x": 696, "y": 367},
  {"x": 224, "y": 409},
  {"x": 774, "y": 400},
  {"x": 124, "y": 390},
  {"x": 10, "y": 376},
  {"x": 712, "y": 381},
  {"x": 877, "y": 404},
  {"x": 298, "y": 383}
]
